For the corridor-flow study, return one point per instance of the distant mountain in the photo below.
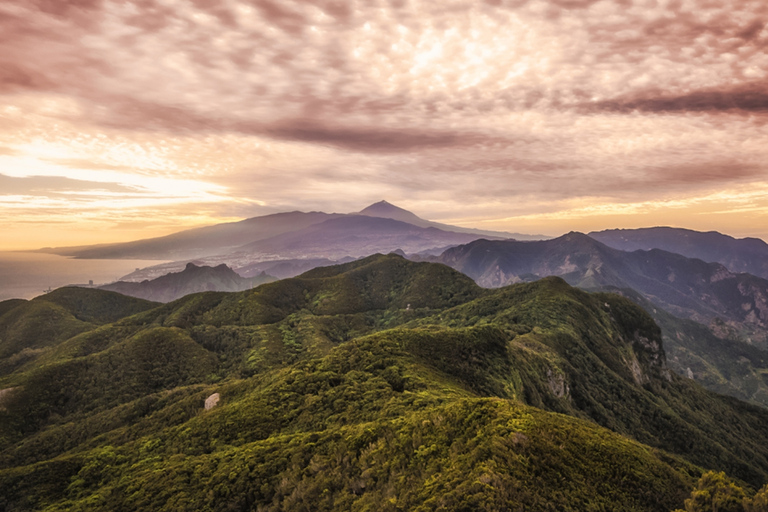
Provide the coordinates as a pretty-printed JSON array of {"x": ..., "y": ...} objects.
[
  {"x": 686, "y": 287},
  {"x": 224, "y": 243},
  {"x": 200, "y": 242},
  {"x": 355, "y": 236},
  {"x": 329, "y": 242},
  {"x": 390, "y": 211},
  {"x": 285, "y": 268},
  {"x": 748, "y": 255},
  {"x": 380, "y": 383},
  {"x": 192, "y": 279}
]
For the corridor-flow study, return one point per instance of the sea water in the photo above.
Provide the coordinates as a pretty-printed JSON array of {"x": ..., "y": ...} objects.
[{"x": 25, "y": 275}]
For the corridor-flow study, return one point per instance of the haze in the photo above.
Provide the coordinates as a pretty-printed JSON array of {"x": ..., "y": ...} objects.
[{"x": 122, "y": 120}]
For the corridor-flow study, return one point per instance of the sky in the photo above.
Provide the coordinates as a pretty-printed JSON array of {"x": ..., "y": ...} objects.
[{"x": 122, "y": 120}]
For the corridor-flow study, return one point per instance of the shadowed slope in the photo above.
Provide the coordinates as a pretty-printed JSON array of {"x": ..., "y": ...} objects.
[
  {"x": 686, "y": 287},
  {"x": 748, "y": 255},
  {"x": 192, "y": 279}
]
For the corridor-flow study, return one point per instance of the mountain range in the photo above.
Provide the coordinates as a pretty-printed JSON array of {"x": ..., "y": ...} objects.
[
  {"x": 686, "y": 287},
  {"x": 748, "y": 255},
  {"x": 192, "y": 279},
  {"x": 715, "y": 321},
  {"x": 379, "y": 383},
  {"x": 730, "y": 355}
]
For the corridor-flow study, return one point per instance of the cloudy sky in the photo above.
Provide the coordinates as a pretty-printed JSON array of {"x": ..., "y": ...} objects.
[{"x": 128, "y": 119}]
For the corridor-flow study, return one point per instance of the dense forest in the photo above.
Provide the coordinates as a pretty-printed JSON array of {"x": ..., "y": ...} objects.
[{"x": 381, "y": 384}]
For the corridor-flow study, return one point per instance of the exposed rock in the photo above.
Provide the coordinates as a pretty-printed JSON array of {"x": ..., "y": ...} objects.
[
  {"x": 637, "y": 372},
  {"x": 557, "y": 384},
  {"x": 212, "y": 401},
  {"x": 567, "y": 266},
  {"x": 721, "y": 274}
]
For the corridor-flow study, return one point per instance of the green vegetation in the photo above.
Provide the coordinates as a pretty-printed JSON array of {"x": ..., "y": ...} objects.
[
  {"x": 715, "y": 491},
  {"x": 381, "y": 384},
  {"x": 727, "y": 352},
  {"x": 724, "y": 363},
  {"x": 28, "y": 329}
]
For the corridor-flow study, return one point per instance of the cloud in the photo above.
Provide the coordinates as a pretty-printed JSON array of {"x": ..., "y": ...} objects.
[
  {"x": 365, "y": 138},
  {"x": 750, "y": 97},
  {"x": 55, "y": 186},
  {"x": 14, "y": 78},
  {"x": 175, "y": 64},
  {"x": 481, "y": 106},
  {"x": 356, "y": 137}
]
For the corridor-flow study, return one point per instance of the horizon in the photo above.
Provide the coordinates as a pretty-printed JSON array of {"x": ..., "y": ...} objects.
[
  {"x": 123, "y": 121},
  {"x": 543, "y": 235}
]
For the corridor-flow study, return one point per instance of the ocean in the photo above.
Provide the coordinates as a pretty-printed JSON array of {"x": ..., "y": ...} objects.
[{"x": 25, "y": 275}]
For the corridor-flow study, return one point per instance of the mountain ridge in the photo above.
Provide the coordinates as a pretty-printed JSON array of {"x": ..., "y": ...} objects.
[
  {"x": 390, "y": 211},
  {"x": 688, "y": 287},
  {"x": 192, "y": 279},
  {"x": 748, "y": 255},
  {"x": 730, "y": 306}
]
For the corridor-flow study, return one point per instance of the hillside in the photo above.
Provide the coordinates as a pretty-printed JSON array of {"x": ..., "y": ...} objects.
[
  {"x": 686, "y": 287},
  {"x": 725, "y": 346},
  {"x": 721, "y": 363},
  {"x": 192, "y": 279},
  {"x": 379, "y": 383},
  {"x": 284, "y": 268},
  {"x": 355, "y": 236},
  {"x": 28, "y": 328},
  {"x": 749, "y": 255}
]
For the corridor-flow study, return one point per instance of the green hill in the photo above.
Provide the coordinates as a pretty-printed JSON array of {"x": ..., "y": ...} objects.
[
  {"x": 379, "y": 384},
  {"x": 30, "y": 328}
]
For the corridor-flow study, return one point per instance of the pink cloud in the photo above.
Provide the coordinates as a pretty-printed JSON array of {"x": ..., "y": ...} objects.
[{"x": 480, "y": 100}]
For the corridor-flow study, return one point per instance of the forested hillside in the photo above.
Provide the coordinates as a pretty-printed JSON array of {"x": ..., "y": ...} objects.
[{"x": 379, "y": 384}]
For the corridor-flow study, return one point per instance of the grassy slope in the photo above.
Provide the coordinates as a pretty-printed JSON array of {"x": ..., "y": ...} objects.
[{"x": 583, "y": 346}]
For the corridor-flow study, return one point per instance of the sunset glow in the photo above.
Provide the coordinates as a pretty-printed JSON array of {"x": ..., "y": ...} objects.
[{"x": 126, "y": 120}]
